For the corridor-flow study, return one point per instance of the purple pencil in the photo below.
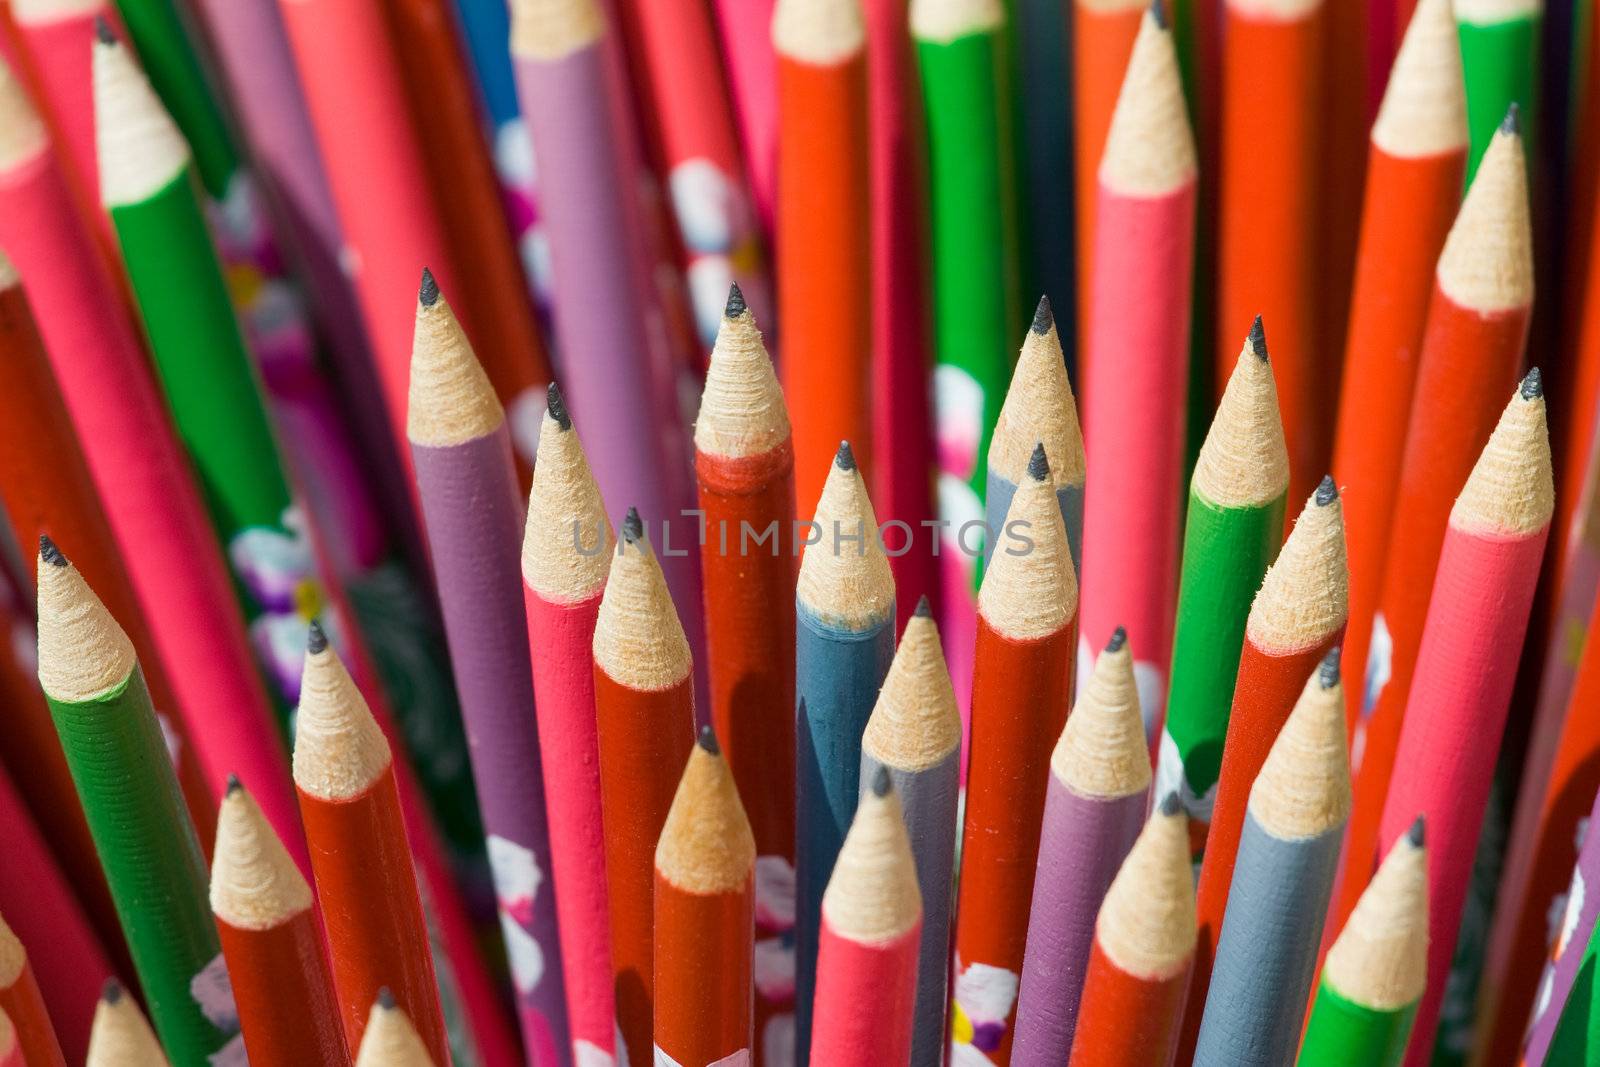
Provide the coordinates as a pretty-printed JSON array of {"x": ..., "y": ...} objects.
[
  {"x": 1098, "y": 795},
  {"x": 472, "y": 516},
  {"x": 1567, "y": 945}
]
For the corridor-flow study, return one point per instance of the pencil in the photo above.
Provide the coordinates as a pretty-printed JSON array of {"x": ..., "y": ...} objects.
[
  {"x": 844, "y": 610},
  {"x": 565, "y": 556},
  {"x": 704, "y": 917},
  {"x": 391, "y": 1040},
  {"x": 122, "y": 1036},
  {"x": 644, "y": 706},
  {"x": 23, "y": 1003},
  {"x": 147, "y": 845},
  {"x": 1415, "y": 163},
  {"x": 1040, "y": 87},
  {"x": 1377, "y": 968},
  {"x": 10, "y": 1046},
  {"x": 1471, "y": 351},
  {"x": 871, "y": 930},
  {"x": 1295, "y": 623},
  {"x": 751, "y": 64},
  {"x": 1231, "y": 536},
  {"x": 272, "y": 943},
  {"x": 915, "y": 732},
  {"x": 1288, "y": 852},
  {"x": 1477, "y": 617},
  {"x": 1270, "y": 185},
  {"x": 1500, "y": 62},
  {"x": 1097, "y": 798},
  {"x": 744, "y": 466},
  {"x": 1575, "y": 1040},
  {"x": 466, "y": 481},
  {"x": 1145, "y": 194},
  {"x": 1021, "y": 686},
  {"x": 1565, "y": 953},
  {"x": 1143, "y": 946},
  {"x": 144, "y": 480},
  {"x": 344, "y": 775},
  {"x": 824, "y": 295}
]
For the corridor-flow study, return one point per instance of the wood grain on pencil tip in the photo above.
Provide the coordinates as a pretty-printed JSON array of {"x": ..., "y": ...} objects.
[
  {"x": 121, "y": 1036},
  {"x": 391, "y": 1040}
]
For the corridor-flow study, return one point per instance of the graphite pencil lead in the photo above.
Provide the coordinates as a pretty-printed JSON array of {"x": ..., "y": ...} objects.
[
  {"x": 1170, "y": 804},
  {"x": 880, "y": 781},
  {"x": 1512, "y": 123},
  {"x": 1258, "y": 339},
  {"x": 708, "y": 741},
  {"x": 428, "y": 291},
  {"x": 50, "y": 553},
  {"x": 316, "y": 638},
  {"x": 234, "y": 785},
  {"x": 923, "y": 610},
  {"x": 103, "y": 31},
  {"x": 845, "y": 458},
  {"x": 386, "y": 998},
  {"x": 1327, "y": 491},
  {"x": 1328, "y": 669},
  {"x": 632, "y": 527},
  {"x": 1038, "y": 463},
  {"x": 556, "y": 404},
  {"x": 1533, "y": 384},
  {"x": 736, "y": 305},
  {"x": 1119, "y": 637},
  {"x": 1044, "y": 316},
  {"x": 1158, "y": 14},
  {"x": 1418, "y": 832}
]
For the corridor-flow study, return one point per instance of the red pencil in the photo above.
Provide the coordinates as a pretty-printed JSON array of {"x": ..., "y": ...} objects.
[
  {"x": 1143, "y": 947},
  {"x": 272, "y": 943},
  {"x": 366, "y": 881},
  {"x": 1467, "y": 662},
  {"x": 1022, "y": 681},
  {"x": 871, "y": 927},
  {"x": 705, "y": 918},
  {"x": 23, "y": 1004}
]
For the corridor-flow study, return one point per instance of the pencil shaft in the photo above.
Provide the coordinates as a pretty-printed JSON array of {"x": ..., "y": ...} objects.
[{"x": 284, "y": 993}]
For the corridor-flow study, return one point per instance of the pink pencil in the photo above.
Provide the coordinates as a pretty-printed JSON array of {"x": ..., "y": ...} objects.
[
  {"x": 1465, "y": 667},
  {"x": 871, "y": 929},
  {"x": 1133, "y": 419},
  {"x": 752, "y": 66}
]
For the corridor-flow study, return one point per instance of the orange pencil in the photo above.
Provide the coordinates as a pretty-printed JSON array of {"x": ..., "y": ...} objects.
[
  {"x": 1269, "y": 211},
  {"x": 391, "y": 1040},
  {"x": 1471, "y": 352},
  {"x": 360, "y": 858},
  {"x": 823, "y": 232},
  {"x": 704, "y": 918},
  {"x": 644, "y": 704},
  {"x": 1415, "y": 163},
  {"x": 1024, "y": 658},
  {"x": 23, "y": 1004}
]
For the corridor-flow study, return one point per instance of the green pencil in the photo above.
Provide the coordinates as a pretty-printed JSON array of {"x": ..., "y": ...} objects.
[
  {"x": 1231, "y": 536},
  {"x": 1500, "y": 61},
  {"x": 147, "y": 845},
  {"x": 972, "y": 202},
  {"x": 1376, "y": 970}
]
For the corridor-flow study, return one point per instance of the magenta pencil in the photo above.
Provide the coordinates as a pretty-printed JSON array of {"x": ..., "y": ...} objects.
[
  {"x": 1466, "y": 663},
  {"x": 752, "y": 66},
  {"x": 1134, "y": 416},
  {"x": 566, "y": 554}
]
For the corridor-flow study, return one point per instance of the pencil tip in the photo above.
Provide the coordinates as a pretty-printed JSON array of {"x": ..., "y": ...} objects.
[
  {"x": 845, "y": 458},
  {"x": 1533, "y": 384},
  {"x": 736, "y": 305},
  {"x": 924, "y": 610},
  {"x": 1158, "y": 14},
  {"x": 1327, "y": 491},
  {"x": 1038, "y": 463},
  {"x": 1328, "y": 669},
  {"x": 556, "y": 404},
  {"x": 1170, "y": 804},
  {"x": 50, "y": 553},
  {"x": 428, "y": 292},
  {"x": 880, "y": 781},
  {"x": 708, "y": 741},
  {"x": 111, "y": 991},
  {"x": 1258, "y": 339},
  {"x": 1119, "y": 637},
  {"x": 1511, "y": 125},
  {"x": 632, "y": 527},
  {"x": 234, "y": 785},
  {"x": 1418, "y": 833},
  {"x": 103, "y": 31},
  {"x": 1044, "y": 316},
  {"x": 386, "y": 998},
  {"x": 316, "y": 639}
]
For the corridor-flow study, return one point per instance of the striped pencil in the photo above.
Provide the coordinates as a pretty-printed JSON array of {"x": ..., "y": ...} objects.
[
  {"x": 1098, "y": 795},
  {"x": 344, "y": 775},
  {"x": 704, "y": 918},
  {"x": 23, "y": 1004},
  {"x": 1231, "y": 537},
  {"x": 565, "y": 555},
  {"x": 824, "y": 299},
  {"x": 1465, "y": 666},
  {"x": 1135, "y": 414},
  {"x": 391, "y": 1040},
  {"x": 1415, "y": 164},
  {"x": 1143, "y": 946},
  {"x": 1500, "y": 62},
  {"x": 1375, "y": 971},
  {"x": 466, "y": 481},
  {"x": 871, "y": 930},
  {"x": 1021, "y": 686},
  {"x": 744, "y": 465},
  {"x": 844, "y": 611},
  {"x": 1295, "y": 623},
  {"x": 644, "y": 706},
  {"x": 1288, "y": 851},
  {"x": 121, "y": 1034},
  {"x": 1268, "y": 216},
  {"x": 272, "y": 943},
  {"x": 1566, "y": 951},
  {"x": 915, "y": 732},
  {"x": 147, "y": 845},
  {"x": 1472, "y": 349}
]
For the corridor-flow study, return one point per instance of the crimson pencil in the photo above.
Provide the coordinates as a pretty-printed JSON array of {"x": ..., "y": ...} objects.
[
  {"x": 272, "y": 943},
  {"x": 564, "y": 561},
  {"x": 23, "y": 1003},
  {"x": 1466, "y": 663}
]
